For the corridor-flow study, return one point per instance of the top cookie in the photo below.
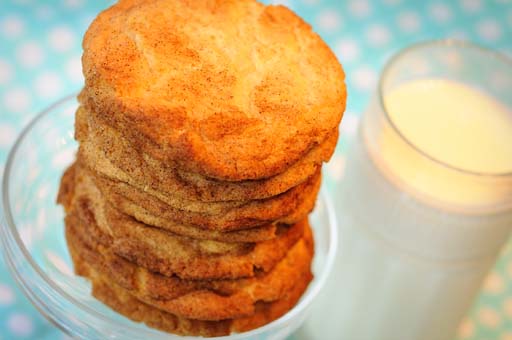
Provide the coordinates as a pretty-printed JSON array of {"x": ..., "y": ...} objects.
[{"x": 233, "y": 90}]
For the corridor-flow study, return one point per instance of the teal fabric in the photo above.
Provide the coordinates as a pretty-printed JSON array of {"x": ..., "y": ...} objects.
[{"x": 40, "y": 62}]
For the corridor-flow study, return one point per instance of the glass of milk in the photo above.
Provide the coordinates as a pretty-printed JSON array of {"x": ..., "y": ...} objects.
[{"x": 426, "y": 202}]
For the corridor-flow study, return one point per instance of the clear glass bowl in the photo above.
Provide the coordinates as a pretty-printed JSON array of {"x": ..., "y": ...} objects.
[{"x": 35, "y": 249}]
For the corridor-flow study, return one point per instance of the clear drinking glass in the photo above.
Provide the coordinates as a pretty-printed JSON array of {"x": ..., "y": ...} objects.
[
  {"x": 36, "y": 253},
  {"x": 418, "y": 234}
]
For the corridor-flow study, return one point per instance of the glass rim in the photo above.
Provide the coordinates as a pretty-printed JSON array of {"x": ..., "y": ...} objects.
[
  {"x": 10, "y": 227},
  {"x": 425, "y": 44}
]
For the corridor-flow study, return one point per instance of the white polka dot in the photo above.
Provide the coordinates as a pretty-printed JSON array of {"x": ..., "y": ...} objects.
[
  {"x": 360, "y": 8},
  {"x": 7, "y": 135},
  {"x": 30, "y": 54},
  {"x": 74, "y": 70},
  {"x": 12, "y": 26},
  {"x": 466, "y": 329},
  {"x": 336, "y": 167},
  {"x": 33, "y": 173},
  {"x": 42, "y": 221},
  {"x": 349, "y": 124},
  {"x": 5, "y": 72},
  {"x": 73, "y": 3},
  {"x": 364, "y": 78},
  {"x": 6, "y": 295},
  {"x": 48, "y": 84},
  {"x": 70, "y": 112},
  {"x": 378, "y": 35},
  {"x": 18, "y": 207},
  {"x": 440, "y": 12},
  {"x": 63, "y": 158},
  {"x": 347, "y": 50},
  {"x": 61, "y": 38},
  {"x": 26, "y": 233},
  {"x": 43, "y": 191},
  {"x": 488, "y": 29},
  {"x": 328, "y": 20},
  {"x": 488, "y": 317},
  {"x": 44, "y": 12},
  {"x": 59, "y": 263},
  {"x": 494, "y": 283},
  {"x": 16, "y": 100},
  {"x": 20, "y": 324},
  {"x": 409, "y": 21},
  {"x": 471, "y": 5}
]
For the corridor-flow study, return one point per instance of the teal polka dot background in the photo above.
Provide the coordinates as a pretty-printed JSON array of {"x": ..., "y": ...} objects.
[{"x": 40, "y": 49}]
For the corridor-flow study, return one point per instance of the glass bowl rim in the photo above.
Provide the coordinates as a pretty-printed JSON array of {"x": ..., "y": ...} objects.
[{"x": 10, "y": 227}]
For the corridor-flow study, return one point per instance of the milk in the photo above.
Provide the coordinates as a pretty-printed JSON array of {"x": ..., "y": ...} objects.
[
  {"x": 455, "y": 124},
  {"x": 424, "y": 209}
]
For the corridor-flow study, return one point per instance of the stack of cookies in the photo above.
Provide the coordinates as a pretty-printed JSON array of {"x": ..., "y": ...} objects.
[{"x": 203, "y": 126}]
